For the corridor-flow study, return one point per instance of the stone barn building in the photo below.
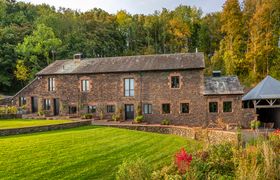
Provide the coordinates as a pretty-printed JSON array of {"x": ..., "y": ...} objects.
[{"x": 169, "y": 86}]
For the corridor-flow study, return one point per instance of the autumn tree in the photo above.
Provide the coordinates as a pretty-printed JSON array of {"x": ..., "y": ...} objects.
[
  {"x": 232, "y": 46},
  {"x": 263, "y": 50}
]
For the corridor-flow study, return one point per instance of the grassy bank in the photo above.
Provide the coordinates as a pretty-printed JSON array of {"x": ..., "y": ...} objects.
[
  {"x": 18, "y": 123},
  {"x": 84, "y": 153}
]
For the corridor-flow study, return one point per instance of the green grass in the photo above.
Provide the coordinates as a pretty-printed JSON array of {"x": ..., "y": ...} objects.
[
  {"x": 90, "y": 152},
  {"x": 18, "y": 123}
]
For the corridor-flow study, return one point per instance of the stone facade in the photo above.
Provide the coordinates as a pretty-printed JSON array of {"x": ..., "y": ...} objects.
[
  {"x": 108, "y": 89},
  {"x": 152, "y": 85}
]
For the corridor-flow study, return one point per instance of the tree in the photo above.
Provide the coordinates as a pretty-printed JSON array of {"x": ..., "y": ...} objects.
[
  {"x": 36, "y": 48},
  {"x": 21, "y": 71},
  {"x": 232, "y": 47},
  {"x": 263, "y": 51}
]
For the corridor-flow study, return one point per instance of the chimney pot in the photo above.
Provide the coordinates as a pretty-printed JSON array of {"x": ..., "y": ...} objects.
[
  {"x": 216, "y": 73},
  {"x": 78, "y": 56}
]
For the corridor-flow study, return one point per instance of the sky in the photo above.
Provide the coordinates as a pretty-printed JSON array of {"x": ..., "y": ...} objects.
[{"x": 132, "y": 6}]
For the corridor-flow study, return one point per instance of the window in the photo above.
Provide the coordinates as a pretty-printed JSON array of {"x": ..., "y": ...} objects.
[
  {"x": 129, "y": 87},
  {"x": 213, "y": 107},
  {"x": 51, "y": 84},
  {"x": 227, "y": 106},
  {"x": 85, "y": 85},
  {"x": 175, "y": 82},
  {"x": 247, "y": 104},
  {"x": 185, "y": 108},
  {"x": 110, "y": 109},
  {"x": 47, "y": 104},
  {"x": 91, "y": 109},
  {"x": 22, "y": 101},
  {"x": 72, "y": 109},
  {"x": 165, "y": 108},
  {"x": 147, "y": 109}
]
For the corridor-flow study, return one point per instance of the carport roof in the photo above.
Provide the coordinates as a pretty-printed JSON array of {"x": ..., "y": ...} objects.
[{"x": 268, "y": 88}]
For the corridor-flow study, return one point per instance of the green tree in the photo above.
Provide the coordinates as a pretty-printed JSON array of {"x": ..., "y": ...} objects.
[
  {"x": 36, "y": 49},
  {"x": 21, "y": 71}
]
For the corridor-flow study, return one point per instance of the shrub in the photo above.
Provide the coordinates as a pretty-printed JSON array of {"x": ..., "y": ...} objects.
[
  {"x": 8, "y": 110},
  {"x": 133, "y": 170},
  {"x": 274, "y": 139},
  {"x": 101, "y": 115},
  {"x": 165, "y": 122},
  {"x": 167, "y": 172},
  {"x": 41, "y": 113},
  {"x": 139, "y": 110},
  {"x": 220, "y": 159},
  {"x": 259, "y": 161},
  {"x": 255, "y": 124},
  {"x": 139, "y": 119},
  {"x": 118, "y": 115},
  {"x": 87, "y": 116}
]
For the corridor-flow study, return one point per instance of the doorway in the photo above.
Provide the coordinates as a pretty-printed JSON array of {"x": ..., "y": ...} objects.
[
  {"x": 269, "y": 115},
  {"x": 34, "y": 104},
  {"x": 129, "y": 112},
  {"x": 55, "y": 107}
]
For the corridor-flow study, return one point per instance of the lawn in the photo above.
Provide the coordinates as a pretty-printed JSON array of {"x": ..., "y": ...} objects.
[
  {"x": 18, "y": 123},
  {"x": 90, "y": 152}
]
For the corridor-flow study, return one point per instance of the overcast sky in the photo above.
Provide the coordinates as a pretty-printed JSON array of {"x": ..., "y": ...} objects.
[{"x": 132, "y": 6}]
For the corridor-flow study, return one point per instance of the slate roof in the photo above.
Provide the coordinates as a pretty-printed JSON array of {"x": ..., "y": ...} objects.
[
  {"x": 268, "y": 88},
  {"x": 126, "y": 64},
  {"x": 222, "y": 85}
]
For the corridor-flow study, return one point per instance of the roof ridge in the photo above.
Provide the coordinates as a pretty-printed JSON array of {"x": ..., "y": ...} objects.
[{"x": 135, "y": 56}]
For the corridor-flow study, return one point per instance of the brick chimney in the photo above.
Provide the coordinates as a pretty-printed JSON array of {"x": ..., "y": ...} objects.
[{"x": 77, "y": 57}]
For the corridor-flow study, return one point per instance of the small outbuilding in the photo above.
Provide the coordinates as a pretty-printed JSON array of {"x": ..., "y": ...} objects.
[{"x": 265, "y": 99}]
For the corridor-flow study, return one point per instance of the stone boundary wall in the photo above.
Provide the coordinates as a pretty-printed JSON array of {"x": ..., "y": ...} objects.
[
  {"x": 26, "y": 130},
  {"x": 10, "y": 116},
  {"x": 207, "y": 135}
]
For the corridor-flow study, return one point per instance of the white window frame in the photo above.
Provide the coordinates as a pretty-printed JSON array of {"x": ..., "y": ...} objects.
[
  {"x": 47, "y": 104},
  {"x": 85, "y": 85},
  {"x": 147, "y": 109},
  {"x": 129, "y": 84},
  {"x": 51, "y": 84}
]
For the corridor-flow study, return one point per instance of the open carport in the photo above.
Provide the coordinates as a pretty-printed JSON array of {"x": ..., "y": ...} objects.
[{"x": 265, "y": 98}]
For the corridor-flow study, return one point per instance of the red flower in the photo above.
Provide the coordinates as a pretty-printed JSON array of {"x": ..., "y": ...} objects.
[
  {"x": 183, "y": 161},
  {"x": 276, "y": 132}
]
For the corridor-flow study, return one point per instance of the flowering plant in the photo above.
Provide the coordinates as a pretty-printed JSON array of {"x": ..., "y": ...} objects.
[
  {"x": 183, "y": 161},
  {"x": 276, "y": 132}
]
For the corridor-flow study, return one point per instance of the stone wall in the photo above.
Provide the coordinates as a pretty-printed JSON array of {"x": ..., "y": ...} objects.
[
  {"x": 10, "y": 116},
  {"x": 26, "y": 130},
  {"x": 208, "y": 135}
]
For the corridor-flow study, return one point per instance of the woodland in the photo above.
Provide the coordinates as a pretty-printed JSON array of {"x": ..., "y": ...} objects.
[{"x": 243, "y": 39}]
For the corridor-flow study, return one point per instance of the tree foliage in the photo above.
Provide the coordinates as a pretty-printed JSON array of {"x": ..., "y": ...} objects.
[
  {"x": 36, "y": 48},
  {"x": 242, "y": 39}
]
